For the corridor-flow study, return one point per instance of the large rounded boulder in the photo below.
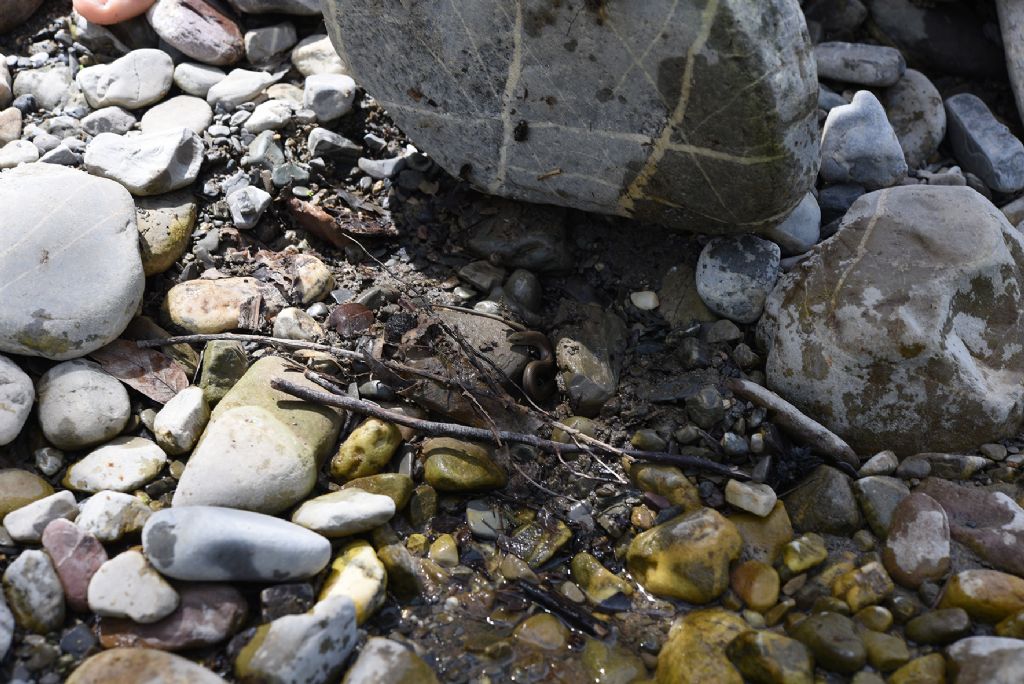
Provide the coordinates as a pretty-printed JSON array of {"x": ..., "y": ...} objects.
[
  {"x": 70, "y": 271},
  {"x": 905, "y": 331},
  {"x": 698, "y": 114}
]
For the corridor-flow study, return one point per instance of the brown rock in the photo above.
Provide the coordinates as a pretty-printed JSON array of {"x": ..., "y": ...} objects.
[
  {"x": 917, "y": 548},
  {"x": 989, "y": 522},
  {"x": 140, "y": 666},
  {"x": 206, "y": 615},
  {"x": 76, "y": 556},
  {"x": 986, "y": 595},
  {"x": 764, "y": 538}
]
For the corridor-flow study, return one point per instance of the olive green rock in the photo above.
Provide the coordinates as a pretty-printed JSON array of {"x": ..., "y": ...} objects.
[
  {"x": 940, "y": 626},
  {"x": 986, "y": 595},
  {"x": 455, "y": 466},
  {"x": 20, "y": 488},
  {"x": 611, "y": 664},
  {"x": 262, "y": 448},
  {"x": 769, "y": 658},
  {"x": 395, "y": 485},
  {"x": 383, "y": 661},
  {"x": 686, "y": 557},
  {"x": 764, "y": 538},
  {"x": 367, "y": 450},
  {"x": 165, "y": 225},
  {"x": 694, "y": 652},
  {"x": 597, "y": 582},
  {"x": 224, "y": 364},
  {"x": 824, "y": 503},
  {"x": 833, "y": 641},
  {"x": 886, "y": 652},
  {"x": 929, "y": 669}
]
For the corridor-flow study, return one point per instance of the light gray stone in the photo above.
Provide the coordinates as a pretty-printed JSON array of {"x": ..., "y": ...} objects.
[
  {"x": 899, "y": 332},
  {"x": 108, "y": 120},
  {"x": 330, "y": 96},
  {"x": 588, "y": 352},
  {"x": 10, "y": 124},
  {"x": 122, "y": 465},
  {"x": 735, "y": 275},
  {"x": 136, "y": 80},
  {"x": 80, "y": 405},
  {"x": 16, "y": 153},
  {"x": 109, "y": 516},
  {"x": 16, "y": 398},
  {"x": 207, "y": 543},
  {"x": 247, "y": 206},
  {"x": 295, "y": 324},
  {"x": 149, "y": 164},
  {"x": 642, "y": 84},
  {"x": 1011, "y": 26},
  {"x": 801, "y": 229},
  {"x": 52, "y": 85},
  {"x": 917, "y": 115},
  {"x": 262, "y": 449},
  {"x": 72, "y": 272},
  {"x": 345, "y": 512},
  {"x": 261, "y": 44},
  {"x": 6, "y": 627},
  {"x": 322, "y": 142},
  {"x": 183, "y": 111},
  {"x": 984, "y": 146},
  {"x": 859, "y": 63},
  {"x": 316, "y": 55},
  {"x": 298, "y": 649},
  {"x": 34, "y": 593},
  {"x": 269, "y": 116},
  {"x": 26, "y": 524},
  {"x": 127, "y": 586},
  {"x": 987, "y": 660},
  {"x": 7, "y": 95},
  {"x": 197, "y": 79},
  {"x": 179, "y": 423},
  {"x": 858, "y": 145},
  {"x": 240, "y": 85}
]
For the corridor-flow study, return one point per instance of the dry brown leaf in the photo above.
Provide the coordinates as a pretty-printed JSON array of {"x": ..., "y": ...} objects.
[{"x": 154, "y": 374}]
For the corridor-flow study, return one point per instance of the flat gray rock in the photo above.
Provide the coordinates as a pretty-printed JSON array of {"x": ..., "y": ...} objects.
[
  {"x": 859, "y": 63},
  {"x": 209, "y": 543},
  {"x": 697, "y": 115},
  {"x": 140, "y": 78},
  {"x": 148, "y": 164},
  {"x": 984, "y": 146},
  {"x": 895, "y": 333},
  {"x": 71, "y": 272}
]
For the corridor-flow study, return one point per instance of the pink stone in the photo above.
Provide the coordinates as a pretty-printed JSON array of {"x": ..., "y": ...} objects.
[
  {"x": 207, "y": 614},
  {"x": 76, "y": 555},
  {"x": 106, "y": 12}
]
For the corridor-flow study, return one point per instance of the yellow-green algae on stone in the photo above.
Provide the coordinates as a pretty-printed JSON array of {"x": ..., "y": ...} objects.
[{"x": 686, "y": 557}]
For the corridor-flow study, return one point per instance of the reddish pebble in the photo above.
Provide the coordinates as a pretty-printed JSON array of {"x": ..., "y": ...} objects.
[
  {"x": 76, "y": 556},
  {"x": 206, "y": 615},
  {"x": 350, "y": 319},
  {"x": 106, "y": 12}
]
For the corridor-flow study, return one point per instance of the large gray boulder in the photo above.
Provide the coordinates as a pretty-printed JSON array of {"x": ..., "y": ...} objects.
[
  {"x": 696, "y": 114},
  {"x": 70, "y": 271},
  {"x": 904, "y": 330}
]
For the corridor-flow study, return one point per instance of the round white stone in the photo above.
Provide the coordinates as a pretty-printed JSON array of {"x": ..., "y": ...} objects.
[
  {"x": 26, "y": 524},
  {"x": 127, "y": 586},
  {"x": 16, "y": 398},
  {"x": 179, "y": 423},
  {"x": 80, "y": 405}
]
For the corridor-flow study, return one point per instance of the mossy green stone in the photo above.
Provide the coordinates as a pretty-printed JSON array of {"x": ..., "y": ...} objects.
[
  {"x": 834, "y": 642},
  {"x": 455, "y": 466},
  {"x": 770, "y": 657},
  {"x": 367, "y": 450},
  {"x": 165, "y": 225},
  {"x": 395, "y": 485},
  {"x": 20, "y": 488},
  {"x": 224, "y": 364}
]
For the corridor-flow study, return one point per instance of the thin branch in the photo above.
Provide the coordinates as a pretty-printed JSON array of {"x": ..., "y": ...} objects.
[
  {"x": 438, "y": 429},
  {"x": 262, "y": 339},
  {"x": 789, "y": 417}
]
